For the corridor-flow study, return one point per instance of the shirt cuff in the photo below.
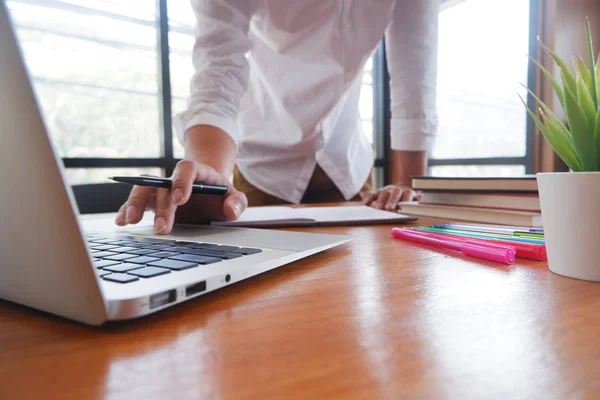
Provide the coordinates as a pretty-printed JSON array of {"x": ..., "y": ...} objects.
[
  {"x": 413, "y": 134},
  {"x": 183, "y": 123}
]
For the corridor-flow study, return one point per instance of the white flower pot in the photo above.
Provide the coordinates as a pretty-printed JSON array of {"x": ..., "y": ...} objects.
[{"x": 570, "y": 203}]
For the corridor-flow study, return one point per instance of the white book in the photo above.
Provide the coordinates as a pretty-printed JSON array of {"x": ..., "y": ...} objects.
[
  {"x": 284, "y": 216},
  {"x": 516, "y": 202},
  {"x": 474, "y": 214}
]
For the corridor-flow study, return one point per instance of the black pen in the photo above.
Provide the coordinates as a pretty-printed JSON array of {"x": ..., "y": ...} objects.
[{"x": 197, "y": 188}]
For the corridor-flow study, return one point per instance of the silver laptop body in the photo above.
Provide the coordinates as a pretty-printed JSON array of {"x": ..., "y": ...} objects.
[{"x": 46, "y": 260}]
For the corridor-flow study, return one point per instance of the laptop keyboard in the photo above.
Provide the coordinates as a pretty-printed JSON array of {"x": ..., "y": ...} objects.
[{"x": 125, "y": 258}]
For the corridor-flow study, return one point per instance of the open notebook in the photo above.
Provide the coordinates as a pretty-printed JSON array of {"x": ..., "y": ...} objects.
[{"x": 282, "y": 216}]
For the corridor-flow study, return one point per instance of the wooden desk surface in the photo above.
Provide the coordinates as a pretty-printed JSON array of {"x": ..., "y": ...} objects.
[{"x": 376, "y": 318}]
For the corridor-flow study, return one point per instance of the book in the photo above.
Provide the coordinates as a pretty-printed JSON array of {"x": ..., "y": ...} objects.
[
  {"x": 502, "y": 201},
  {"x": 474, "y": 214},
  {"x": 284, "y": 216},
  {"x": 523, "y": 184}
]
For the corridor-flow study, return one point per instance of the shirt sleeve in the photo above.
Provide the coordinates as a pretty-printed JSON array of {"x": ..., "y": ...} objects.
[
  {"x": 220, "y": 65},
  {"x": 411, "y": 50}
]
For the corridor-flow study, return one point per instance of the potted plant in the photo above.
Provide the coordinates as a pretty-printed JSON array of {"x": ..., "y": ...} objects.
[{"x": 570, "y": 201}]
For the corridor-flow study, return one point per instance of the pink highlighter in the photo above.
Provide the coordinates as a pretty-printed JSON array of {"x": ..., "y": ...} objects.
[{"x": 488, "y": 251}]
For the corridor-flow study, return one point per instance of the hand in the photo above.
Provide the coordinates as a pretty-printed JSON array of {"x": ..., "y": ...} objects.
[
  {"x": 388, "y": 197},
  {"x": 167, "y": 203}
]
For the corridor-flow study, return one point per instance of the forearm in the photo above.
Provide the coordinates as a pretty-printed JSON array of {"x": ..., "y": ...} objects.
[
  {"x": 208, "y": 126},
  {"x": 411, "y": 52},
  {"x": 406, "y": 164},
  {"x": 210, "y": 145}
]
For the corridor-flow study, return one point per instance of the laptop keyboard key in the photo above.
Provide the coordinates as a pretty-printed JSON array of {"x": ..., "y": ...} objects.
[
  {"x": 195, "y": 258},
  {"x": 128, "y": 243},
  {"x": 105, "y": 263},
  {"x": 246, "y": 251},
  {"x": 102, "y": 254},
  {"x": 123, "y": 267},
  {"x": 179, "y": 249},
  {"x": 104, "y": 241},
  {"x": 227, "y": 248},
  {"x": 104, "y": 247},
  {"x": 148, "y": 272},
  {"x": 142, "y": 260},
  {"x": 212, "y": 253},
  {"x": 150, "y": 240},
  {"x": 124, "y": 249},
  {"x": 120, "y": 257},
  {"x": 174, "y": 265},
  {"x": 163, "y": 254},
  {"x": 158, "y": 247},
  {"x": 141, "y": 252},
  {"x": 120, "y": 278},
  {"x": 207, "y": 245}
]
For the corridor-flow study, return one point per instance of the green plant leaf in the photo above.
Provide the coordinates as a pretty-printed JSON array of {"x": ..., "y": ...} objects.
[
  {"x": 598, "y": 78},
  {"x": 557, "y": 141},
  {"x": 597, "y": 134},
  {"x": 586, "y": 102},
  {"x": 583, "y": 72},
  {"x": 564, "y": 150},
  {"x": 548, "y": 113},
  {"x": 557, "y": 88},
  {"x": 590, "y": 45},
  {"x": 583, "y": 136},
  {"x": 566, "y": 75}
]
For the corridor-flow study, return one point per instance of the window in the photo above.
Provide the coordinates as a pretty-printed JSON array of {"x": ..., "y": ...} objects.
[
  {"x": 97, "y": 87},
  {"x": 482, "y": 64},
  {"x": 368, "y": 100},
  {"x": 181, "y": 41},
  {"x": 109, "y": 76}
]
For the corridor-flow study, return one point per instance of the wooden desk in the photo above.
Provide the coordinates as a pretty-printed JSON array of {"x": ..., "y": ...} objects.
[{"x": 376, "y": 318}]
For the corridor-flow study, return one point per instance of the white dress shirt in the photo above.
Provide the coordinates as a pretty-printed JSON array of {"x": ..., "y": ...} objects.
[{"x": 283, "y": 79}]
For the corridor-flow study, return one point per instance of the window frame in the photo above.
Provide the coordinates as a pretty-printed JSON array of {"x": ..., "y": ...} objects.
[
  {"x": 381, "y": 114},
  {"x": 528, "y": 160},
  {"x": 167, "y": 162}
]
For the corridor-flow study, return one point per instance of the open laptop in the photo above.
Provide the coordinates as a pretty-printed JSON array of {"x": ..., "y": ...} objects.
[{"x": 49, "y": 262}]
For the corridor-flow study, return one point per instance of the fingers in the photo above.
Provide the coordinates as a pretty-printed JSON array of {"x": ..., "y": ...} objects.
[
  {"x": 185, "y": 174},
  {"x": 182, "y": 180},
  {"x": 409, "y": 195},
  {"x": 389, "y": 196},
  {"x": 394, "y": 198},
  {"x": 164, "y": 214},
  {"x": 382, "y": 198},
  {"x": 136, "y": 204},
  {"x": 235, "y": 203},
  {"x": 368, "y": 198},
  {"x": 165, "y": 202},
  {"x": 120, "y": 219}
]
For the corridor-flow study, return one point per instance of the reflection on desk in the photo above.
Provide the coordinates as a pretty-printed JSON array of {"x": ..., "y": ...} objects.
[{"x": 375, "y": 318}]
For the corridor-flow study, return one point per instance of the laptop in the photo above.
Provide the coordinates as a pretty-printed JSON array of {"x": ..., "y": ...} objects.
[{"x": 52, "y": 260}]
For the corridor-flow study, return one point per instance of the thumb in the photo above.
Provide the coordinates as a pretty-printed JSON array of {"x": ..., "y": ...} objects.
[{"x": 235, "y": 204}]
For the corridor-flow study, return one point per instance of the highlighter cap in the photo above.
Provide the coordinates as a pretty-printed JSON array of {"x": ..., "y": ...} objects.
[{"x": 490, "y": 251}]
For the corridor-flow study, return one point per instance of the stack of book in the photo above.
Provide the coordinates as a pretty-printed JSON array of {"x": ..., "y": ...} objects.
[{"x": 507, "y": 201}]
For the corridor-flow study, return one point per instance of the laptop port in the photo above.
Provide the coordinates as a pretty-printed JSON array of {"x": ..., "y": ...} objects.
[
  {"x": 195, "y": 289},
  {"x": 160, "y": 299}
]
